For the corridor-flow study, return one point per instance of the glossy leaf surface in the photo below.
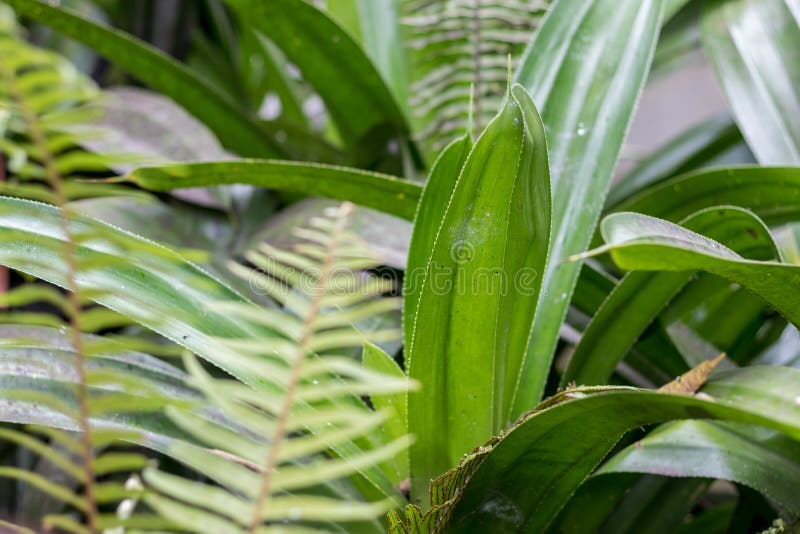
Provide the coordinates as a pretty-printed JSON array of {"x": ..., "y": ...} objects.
[
  {"x": 754, "y": 46},
  {"x": 640, "y": 242},
  {"x": 478, "y": 294},
  {"x": 586, "y": 112},
  {"x": 640, "y": 296},
  {"x": 762, "y": 459},
  {"x": 354, "y": 92},
  {"x": 529, "y": 474},
  {"x": 773, "y": 193}
]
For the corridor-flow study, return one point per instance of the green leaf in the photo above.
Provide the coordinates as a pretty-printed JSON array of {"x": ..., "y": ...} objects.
[
  {"x": 234, "y": 128},
  {"x": 586, "y": 112},
  {"x": 430, "y": 212},
  {"x": 377, "y": 360},
  {"x": 640, "y": 296},
  {"x": 380, "y": 29},
  {"x": 594, "y": 500},
  {"x": 716, "y": 141},
  {"x": 533, "y": 469},
  {"x": 773, "y": 193},
  {"x": 355, "y": 94},
  {"x": 754, "y": 47},
  {"x": 473, "y": 317},
  {"x": 644, "y": 243},
  {"x": 150, "y": 284},
  {"x": 762, "y": 459},
  {"x": 379, "y": 191}
]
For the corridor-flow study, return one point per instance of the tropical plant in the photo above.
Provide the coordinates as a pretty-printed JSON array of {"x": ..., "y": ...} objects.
[{"x": 531, "y": 382}]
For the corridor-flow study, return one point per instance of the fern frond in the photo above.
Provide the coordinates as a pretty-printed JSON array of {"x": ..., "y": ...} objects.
[
  {"x": 60, "y": 100},
  {"x": 73, "y": 386},
  {"x": 308, "y": 427},
  {"x": 456, "y": 45}
]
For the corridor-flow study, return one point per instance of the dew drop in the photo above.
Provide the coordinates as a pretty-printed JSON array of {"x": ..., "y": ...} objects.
[{"x": 581, "y": 129}]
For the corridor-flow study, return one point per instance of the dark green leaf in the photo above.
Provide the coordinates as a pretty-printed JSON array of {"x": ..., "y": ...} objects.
[
  {"x": 640, "y": 296},
  {"x": 354, "y": 92},
  {"x": 773, "y": 193},
  {"x": 716, "y": 141},
  {"x": 762, "y": 459},
  {"x": 528, "y": 475},
  {"x": 379, "y": 191}
]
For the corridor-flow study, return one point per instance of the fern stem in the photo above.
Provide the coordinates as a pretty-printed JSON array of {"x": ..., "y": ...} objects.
[
  {"x": 74, "y": 306},
  {"x": 297, "y": 366}
]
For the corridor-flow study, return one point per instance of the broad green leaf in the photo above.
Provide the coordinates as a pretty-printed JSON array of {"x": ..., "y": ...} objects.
[
  {"x": 478, "y": 293},
  {"x": 379, "y": 191},
  {"x": 773, "y": 193},
  {"x": 380, "y": 28},
  {"x": 585, "y": 69},
  {"x": 529, "y": 473},
  {"x": 640, "y": 296},
  {"x": 430, "y": 212},
  {"x": 762, "y": 459},
  {"x": 377, "y": 360},
  {"x": 355, "y": 94},
  {"x": 152, "y": 285},
  {"x": 235, "y": 129},
  {"x": 716, "y": 141},
  {"x": 39, "y": 363},
  {"x": 754, "y": 47},
  {"x": 643, "y": 243}
]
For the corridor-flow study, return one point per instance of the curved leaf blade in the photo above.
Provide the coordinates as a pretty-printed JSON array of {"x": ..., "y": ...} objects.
[
  {"x": 353, "y": 90},
  {"x": 773, "y": 193},
  {"x": 586, "y": 112},
  {"x": 754, "y": 47},
  {"x": 430, "y": 212},
  {"x": 640, "y": 296},
  {"x": 379, "y": 191},
  {"x": 712, "y": 142},
  {"x": 762, "y": 459},
  {"x": 532, "y": 470},
  {"x": 644, "y": 243}
]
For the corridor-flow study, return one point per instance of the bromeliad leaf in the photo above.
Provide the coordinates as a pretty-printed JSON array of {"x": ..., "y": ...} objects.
[
  {"x": 753, "y": 46},
  {"x": 641, "y": 242},
  {"x": 636, "y": 301},
  {"x": 380, "y": 191},
  {"x": 762, "y": 459},
  {"x": 235, "y": 129},
  {"x": 586, "y": 112},
  {"x": 478, "y": 290}
]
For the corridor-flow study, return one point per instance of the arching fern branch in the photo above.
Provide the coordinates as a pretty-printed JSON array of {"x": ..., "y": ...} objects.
[
  {"x": 40, "y": 93},
  {"x": 458, "y": 44},
  {"x": 309, "y": 428}
]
